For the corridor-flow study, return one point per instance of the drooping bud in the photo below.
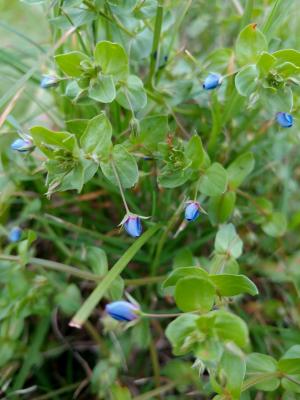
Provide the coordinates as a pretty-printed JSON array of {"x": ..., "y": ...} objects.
[
  {"x": 48, "y": 81},
  {"x": 284, "y": 119},
  {"x": 133, "y": 225},
  {"x": 192, "y": 210},
  {"x": 122, "y": 310},
  {"x": 22, "y": 145},
  {"x": 212, "y": 81},
  {"x": 15, "y": 234}
]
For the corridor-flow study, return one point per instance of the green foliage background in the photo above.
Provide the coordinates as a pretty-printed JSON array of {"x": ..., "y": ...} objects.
[{"x": 129, "y": 109}]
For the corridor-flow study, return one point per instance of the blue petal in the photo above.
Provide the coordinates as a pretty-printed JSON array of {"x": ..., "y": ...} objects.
[
  {"x": 15, "y": 234},
  {"x": 48, "y": 81},
  {"x": 21, "y": 145},
  {"x": 284, "y": 119},
  {"x": 133, "y": 226},
  {"x": 192, "y": 211},
  {"x": 212, "y": 81},
  {"x": 122, "y": 310}
]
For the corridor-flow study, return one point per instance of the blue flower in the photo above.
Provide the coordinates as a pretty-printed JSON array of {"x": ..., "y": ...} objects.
[
  {"x": 48, "y": 81},
  {"x": 22, "y": 145},
  {"x": 212, "y": 81},
  {"x": 122, "y": 310},
  {"x": 284, "y": 119},
  {"x": 133, "y": 225},
  {"x": 192, "y": 211},
  {"x": 15, "y": 234}
]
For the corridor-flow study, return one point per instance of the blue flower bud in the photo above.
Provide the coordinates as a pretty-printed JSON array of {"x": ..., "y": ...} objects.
[
  {"x": 15, "y": 234},
  {"x": 22, "y": 145},
  {"x": 48, "y": 81},
  {"x": 192, "y": 211},
  {"x": 212, "y": 81},
  {"x": 122, "y": 310},
  {"x": 284, "y": 119},
  {"x": 133, "y": 226}
]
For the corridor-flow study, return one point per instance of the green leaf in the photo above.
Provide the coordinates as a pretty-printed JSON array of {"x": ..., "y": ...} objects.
[
  {"x": 251, "y": 42},
  {"x": 194, "y": 152},
  {"x": 290, "y": 362},
  {"x": 153, "y": 129},
  {"x": 97, "y": 260},
  {"x": 69, "y": 300},
  {"x": 141, "y": 334},
  {"x": 229, "y": 327},
  {"x": 193, "y": 293},
  {"x": 126, "y": 167},
  {"x": 233, "y": 285},
  {"x": 239, "y": 169},
  {"x": 221, "y": 207},
  {"x": 292, "y": 387},
  {"x": 79, "y": 174},
  {"x": 233, "y": 368},
  {"x": 115, "y": 292},
  {"x": 131, "y": 94},
  {"x": 78, "y": 16},
  {"x": 171, "y": 177},
  {"x": 102, "y": 89},
  {"x": 96, "y": 138},
  {"x": 119, "y": 392},
  {"x": 70, "y": 63},
  {"x": 276, "y": 99},
  {"x": 112, "y": 59},
  {"x": 287, "y": 70},
  {"x": 178, "y": 332},
  {"x": 214, "y": 180},
  {"x": 265, "y": 63},
  {"x": 57, "y": 140},
  {"x": 275, "y": 225},
  {"x": 77, "y": 126},
  {"x": 287, "y": 55},
  {"x": 183, "y": 272},
  {"x": 246, "y": 80},
  {"x": 228, "y": 241},
  {"x": 258, "y": 364},
  {"x": 183, "y": 257}
]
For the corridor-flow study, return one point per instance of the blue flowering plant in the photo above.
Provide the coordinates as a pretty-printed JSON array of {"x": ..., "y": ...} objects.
[{"x": 182, "y": 111}]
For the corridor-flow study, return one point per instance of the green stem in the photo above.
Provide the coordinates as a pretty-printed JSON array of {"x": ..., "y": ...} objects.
[
  {"x": 32, "y": 352},
  {"x": 272, "y": 18},
  {"x": 86, "y": 309},
  {"x": 216, "y": 128},
  {"x": 151, "y": 395},
  {"x": 163, "y": 315},
  {"x": 154, "y": 60},
  {"x": 148, "y": 280},
  {"x": 57, "y": 392},
  {"x": 155, "y": 362},
  {"x": 247, "y": 14},
  {"x": 120, "y": 186},
  {"x": 68, "y": 269},
  {"x": 56, "y": 266},
  {"x": 163, "y": 239}
]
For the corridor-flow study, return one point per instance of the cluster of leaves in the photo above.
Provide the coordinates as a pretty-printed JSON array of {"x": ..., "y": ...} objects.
[{"x": 128, "y": 111}]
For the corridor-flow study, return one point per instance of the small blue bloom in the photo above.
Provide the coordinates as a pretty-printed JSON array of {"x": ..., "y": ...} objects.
[
  {"x": 22, "y": 145},
  {"x": 192, "y": 211},
  {"x": 133, "y": 226},
  {"x": 212, "y": 81},
  {"x": 15, "y": 234},
  {"x": 48, "y": 81},
  {"x": 284, "y": 119},
  {"x": 122, "y": 310}
]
